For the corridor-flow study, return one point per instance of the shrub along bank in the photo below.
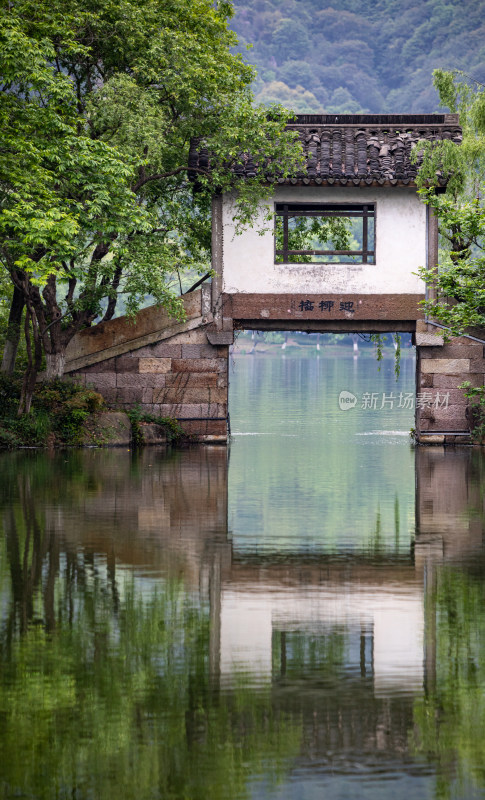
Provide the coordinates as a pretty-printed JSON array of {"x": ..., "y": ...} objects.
[{"x": 66, "y": 414}]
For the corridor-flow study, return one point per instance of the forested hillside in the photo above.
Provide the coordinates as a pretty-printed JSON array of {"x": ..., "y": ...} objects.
[{"x": 352, "y": 56}]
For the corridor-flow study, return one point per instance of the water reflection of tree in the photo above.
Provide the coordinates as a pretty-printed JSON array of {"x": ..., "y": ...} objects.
[
  {"x": 105, "y": 684},
  {"x": 450, "y": 718}
]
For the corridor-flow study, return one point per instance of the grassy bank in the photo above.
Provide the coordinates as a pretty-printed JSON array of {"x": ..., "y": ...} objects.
[{"x": 65, "y": 414}]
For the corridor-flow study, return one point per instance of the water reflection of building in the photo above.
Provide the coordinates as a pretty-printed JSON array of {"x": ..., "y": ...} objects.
[
  {"x": 450, "y": 505},
  {"x": 379, "y": 621},
  {"x": 155, "y": 512},
  {"x": 166, "y": 514},
  {"x": 381, "y": 602},
  {"x": 347, "y": 643}
]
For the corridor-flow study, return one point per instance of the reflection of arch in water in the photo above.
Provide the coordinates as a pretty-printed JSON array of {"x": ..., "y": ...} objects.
[
  {"x": 340, "y": 643},
  {"x": 165, "y": 513},
  {"x": 450, "y": 514}
]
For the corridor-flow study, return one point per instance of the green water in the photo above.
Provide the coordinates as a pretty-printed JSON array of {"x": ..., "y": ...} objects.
[
  {"x": 299, "y": 616},
  {"x": 314, "y": 477}
]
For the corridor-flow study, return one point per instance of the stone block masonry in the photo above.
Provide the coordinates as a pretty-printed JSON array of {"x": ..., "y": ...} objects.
[
  {"x": 442, "y": 416},
  {"x": 180, "y": 370},
  {"x": 165, "y": 368}
]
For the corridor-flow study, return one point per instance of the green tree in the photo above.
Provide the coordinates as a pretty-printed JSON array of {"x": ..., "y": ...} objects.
[
  {"x": 315, "y": 233},
  {"x": 460, "y": 279},
  {"x": 98, "y": 110},
  {"x": 300, "y": 100},
  {"x": 290, "y": 39}
]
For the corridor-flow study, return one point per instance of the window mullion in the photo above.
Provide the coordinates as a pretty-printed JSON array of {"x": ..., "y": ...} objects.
[
  {"x": 285, "y": 234},
  {"x": 364, "y": 234},
  {"x": 285, "y": 211}
]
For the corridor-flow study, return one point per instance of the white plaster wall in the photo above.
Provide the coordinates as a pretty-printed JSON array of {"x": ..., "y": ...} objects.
[
  {"x": 246, "y": 630},
  {"x": 394, "y": 614},
  {"x": 248, "y": 258}
]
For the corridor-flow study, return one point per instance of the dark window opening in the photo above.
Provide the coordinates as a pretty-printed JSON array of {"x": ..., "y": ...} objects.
[{"x": 311, "y": 233}]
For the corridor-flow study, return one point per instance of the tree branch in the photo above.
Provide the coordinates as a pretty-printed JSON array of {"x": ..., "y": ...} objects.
[
  {"x": 161, "y": 175},
  {"x": 470, "y": 77},
  {"x": 70, "y": 292},
  {"x": 112, "y": 299}
]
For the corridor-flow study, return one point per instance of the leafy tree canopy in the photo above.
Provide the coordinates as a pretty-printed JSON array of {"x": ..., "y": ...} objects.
[
  {"x": 99, "y": 104},
  {"x": 460, "y": 282}
]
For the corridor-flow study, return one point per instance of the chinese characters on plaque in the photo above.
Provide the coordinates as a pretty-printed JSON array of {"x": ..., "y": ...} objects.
[{"x": 327, "y": 305}]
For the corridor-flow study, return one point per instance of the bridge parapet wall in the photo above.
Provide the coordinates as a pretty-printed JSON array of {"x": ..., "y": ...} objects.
[
  {"x": 167, "y": 369},
  {"x": 442, "y": 415},
  {"x": 180, "y": 369}
]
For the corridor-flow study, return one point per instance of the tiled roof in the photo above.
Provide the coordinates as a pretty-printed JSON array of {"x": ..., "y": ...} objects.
[{"x": 359, "y": 149}]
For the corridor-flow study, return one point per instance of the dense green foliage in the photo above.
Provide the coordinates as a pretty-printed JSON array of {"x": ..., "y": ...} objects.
[
  {"x": 97, "y": 110},
  {"x": 64, "y": 413},
  {"x": 173, "y": 430},
  {"x": 59, "y": 414},
  {"x": 460, "y": 282},
  {"x": 350, "y": 56}
]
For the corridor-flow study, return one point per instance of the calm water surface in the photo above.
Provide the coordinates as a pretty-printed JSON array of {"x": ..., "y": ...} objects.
[{"x": 300, "y": 616}]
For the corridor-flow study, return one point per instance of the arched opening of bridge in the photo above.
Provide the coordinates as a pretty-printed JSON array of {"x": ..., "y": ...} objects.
[
  {"x": 322, "y": 377},
  {"x": 320, "y": 442}
]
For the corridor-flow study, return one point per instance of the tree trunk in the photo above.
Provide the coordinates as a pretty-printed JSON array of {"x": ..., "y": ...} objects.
[
  {"x": 54, "y": 365},
  {"x": 114, "y": 297},
  {"x": 34, "y": 362},
  {"x": 13, "y": 332}
]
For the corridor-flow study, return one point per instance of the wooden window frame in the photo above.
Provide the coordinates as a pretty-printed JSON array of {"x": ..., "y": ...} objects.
[{"x": 364, "y": 211}]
